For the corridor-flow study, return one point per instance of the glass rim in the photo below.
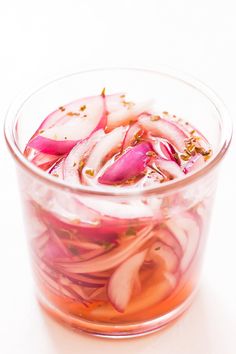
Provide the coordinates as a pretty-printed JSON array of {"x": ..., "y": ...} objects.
[{"x": 188, "y": 80}]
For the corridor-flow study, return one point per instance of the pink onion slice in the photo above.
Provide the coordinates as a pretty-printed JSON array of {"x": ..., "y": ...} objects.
[
  {"x": 105, "y": 146},
  {"x": 44, "y": 161},
  {"x": 59, "y": 139},
  {"x": 134, "y": 131},
  {"x": 111, "y": 259},
  {"x": 67, "y": 213},
  {"x": 54, "y": 248},
  {"x": 159, "y": 250},
  {"x": 163, "y": 128},
  {"x": 81, "y": 244},
  {"x": 194, "y": 163},
  {"x": 83, "y": 223},
  {"x": 165, "y": 150},
  {"x": 115, "y": 102},
  {"x": 195, "y": 132},
  {"x": 52, "y": 146},
  {"x": 188, "y": 223},
  {"x": 57, "y": 241},
  {"x": 132, "y": 209},
  {"x": 166, "y": 237},
  {"x": 127, "y": 113},
  {"x": 65, "y": 113},
  {"x": 170, "y": 167},
  {"x": 52, "y": 251},
  {"x": 131, "y": 164},
  {"x": 57, "y": 169},
  {"x": 121, "y": 283},
  {"x": 178, "y": 232},
  {"x": 72, "y": 161}
]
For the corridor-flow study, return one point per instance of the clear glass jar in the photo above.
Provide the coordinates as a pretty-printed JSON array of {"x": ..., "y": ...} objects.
[{"x": 117, "y": 230}]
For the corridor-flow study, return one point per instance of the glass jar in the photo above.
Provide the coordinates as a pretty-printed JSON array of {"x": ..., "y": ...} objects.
[{"x": 90, "y": 250}]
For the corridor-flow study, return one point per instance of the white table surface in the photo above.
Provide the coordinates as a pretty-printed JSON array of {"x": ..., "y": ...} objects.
[{"x": 43, "y": 39}]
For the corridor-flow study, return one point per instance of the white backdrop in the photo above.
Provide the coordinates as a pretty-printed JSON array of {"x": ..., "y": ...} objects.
[{"x": 43, "y": 39}]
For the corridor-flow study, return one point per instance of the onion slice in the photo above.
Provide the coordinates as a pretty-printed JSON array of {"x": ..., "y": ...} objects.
[
  {"x": 128, "y": 112},
  {"x": 131, "y": 135},
  {"x": 72, "y": 161},
  {"x": 132, "y": 209},
  {"x": 170, "y": 167},
  {"x": 165, "y": 150},
  {"x": 105, "y": 146},
  {"x": 194, "y": 163},
  {"x": 44, "y": 161},
  {"x": 121, "y": 283},
  {"x": 163, "y": 128},
  {"x": 59, "y": 139},
  {"x": 131, "y": 164},
  {"x": 160, "y": 252},
  {"x": 57, "y": 169},
  {"x": 110, "y": 259}
]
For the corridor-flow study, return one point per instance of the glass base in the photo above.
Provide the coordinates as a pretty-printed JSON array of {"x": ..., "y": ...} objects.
[{"x": 109, "y": 330}]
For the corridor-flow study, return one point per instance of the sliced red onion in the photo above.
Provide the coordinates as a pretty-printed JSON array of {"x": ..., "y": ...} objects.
[
  {"x": 52, "y": 146},
  {"x": 187, "y": 222},
  {"x": 165, "y": 150},
  {"x": 151, "y": 178},
  {"x": 178, "y": 233},
  {"x": 111, "y": 259},
  {"x": 121, "y": 283},
  {"x": 166, "y": 237},
  {"x": 58, "y": 243},
  {"x": 67, "y": 114},
  {"x": 131, "y": 134},
  {"x": 52, "y": 251},
  {"x": 170, "y": 167},
  {"x": 160, "y": 252},
  {"x": 195, "y": 132},
  {"x": 105, "y": 146},
  {"x": 81, "y": 244},
  {"x": 57, "y": 169},
  {"x": 73, "y": 160},
  {"x": 194, "y": 163},
  {"x": 115, "y": 102},
  {"x": 165, "y": 129},
  {"x": 59, "y": 139},
  {"x": 66, "y": 212},
  {"x": 44, "y": 161},
  {"x": 65, "y": 221},
  {"x": 132, "y": 209},
  {"x": 127, "y": 113},
  {"x": 86, "y": 256},
  {"x": 131, "y": 164}
]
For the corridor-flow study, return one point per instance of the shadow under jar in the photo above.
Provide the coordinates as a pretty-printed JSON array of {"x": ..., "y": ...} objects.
[{"x": 123, "y": 262}]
